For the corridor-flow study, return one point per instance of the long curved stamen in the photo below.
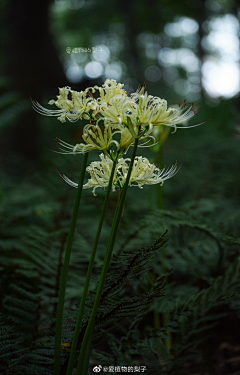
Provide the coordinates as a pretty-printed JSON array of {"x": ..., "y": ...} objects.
[
  {"x": 67, "y": 180},
  {"x": 193, "y": 126},
  {"x": 169, "y": 172},
  {"x": 44, "y": 111}
]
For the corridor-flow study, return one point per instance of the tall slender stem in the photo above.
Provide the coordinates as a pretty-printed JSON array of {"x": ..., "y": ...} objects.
[
  {"x": 89, "y": 273},
  {"x": 58, "y": 334},
  {"x": 83, "y": 361},
  {"x": 159, "y": 190},
  {"x": 160, "y": 205},
  {"x": 160, "y": 198}
]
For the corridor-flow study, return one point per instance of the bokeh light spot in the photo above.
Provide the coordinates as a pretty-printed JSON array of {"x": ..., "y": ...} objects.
[
  {"x": 167, "y": 56},
  {"x": 221, "y": 78},
  {"x": 181, "y": 27},
  {"x": 102, "y": 53},
  {"x": 74, "y": 73},
  {"x": 94, "y": 69},
  {"x": 187, "y": 59}
]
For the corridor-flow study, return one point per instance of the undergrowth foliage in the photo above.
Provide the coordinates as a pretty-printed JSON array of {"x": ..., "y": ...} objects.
[{"x": 197, "y": 284}]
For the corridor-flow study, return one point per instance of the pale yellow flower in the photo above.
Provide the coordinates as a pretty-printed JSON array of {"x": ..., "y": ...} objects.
[
  {"x": 117, "y": 109},
  {"x": 100, "y": 172},
  {"x": 146, "y": 173},
  {"x": 72, "y": 109},
  {"x": 122, "y": 118},
  {"x": 143, "y": 173},
  {"x": 95, "y": 139},
  {"x": 153, "y": 111},
  {"x": 109, "y": 89}
]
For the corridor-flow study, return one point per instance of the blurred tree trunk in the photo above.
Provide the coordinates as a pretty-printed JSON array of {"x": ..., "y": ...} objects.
[
  {"x": 129, "y": 14},
  {"x": 201, "y": 16},
  {"x": 32, "y": 64}
]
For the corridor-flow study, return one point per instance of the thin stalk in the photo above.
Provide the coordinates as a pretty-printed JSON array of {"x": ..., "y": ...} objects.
[
  {"x": 150, "y": 199},
  {"x": 160, "y": 198},
  {"x": 160, "y": 204},
  {"x": 159, "y": 188},
  {"x": 89, "y": 273},
  {"x": 58, "y": 334},
  {"x": 158, "y": 151},
  {"x": 85, "y": 351}
]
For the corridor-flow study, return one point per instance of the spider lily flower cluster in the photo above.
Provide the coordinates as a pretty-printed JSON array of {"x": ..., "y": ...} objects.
[
  {"x": 116, "y": 122},
  {"x": 143, "y": 173},
  {"x": 114, "y": 117}
]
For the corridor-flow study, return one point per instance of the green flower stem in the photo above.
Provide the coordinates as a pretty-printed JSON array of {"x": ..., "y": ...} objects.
[
  {"x": 58, "y": 335},
  {"x": 160, "y": 198},
  {"x": 150, "y": 199},
  {"x": 159, "y": 155},
  {"x": 85, "y": 351},
  {"x": 160, "y": 205},
  {"x": 89, "y": 273},
  {"x": 158, "y": 151}
]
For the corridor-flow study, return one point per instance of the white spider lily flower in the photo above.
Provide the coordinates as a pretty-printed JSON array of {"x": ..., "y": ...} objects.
[
  {"x": 143, "y": 173},
  {"x": 109, "y": 89},
  {"x": 100, "y": 172},
  {"x": 117, "y": 109},
  {"x": 153, "y": 111},
  {"x": 95, "y": 139},
  {"x": 72, "y": 109},
  {"x": 146, "y": 173}
]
